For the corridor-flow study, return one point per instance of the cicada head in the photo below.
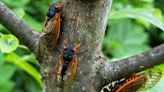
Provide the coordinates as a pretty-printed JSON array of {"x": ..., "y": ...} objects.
[
  {"x": 69, "y": 52},
  {"x": 69, "y": 48},
  {"x": 59, "y": 7},
  {"x": 54, "y": 8}
]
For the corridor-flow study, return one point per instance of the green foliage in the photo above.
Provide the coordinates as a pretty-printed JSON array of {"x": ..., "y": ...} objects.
[
  {"x": 6, "y": 72},
  {"x": 8, "y": 43},
  {"x": 125, "y": 38},
  {"x": 19, "y": 12},
  {"x": 19, "y": 68},
  {"x": 129, "y": 31},
  {"x": 22, "y": 63},
  {"x": 34, "y": 24},
  {"x": 147, "y": 15},
  {"x": 134, "y": 26},
  {"x": 16, "y": 3}
]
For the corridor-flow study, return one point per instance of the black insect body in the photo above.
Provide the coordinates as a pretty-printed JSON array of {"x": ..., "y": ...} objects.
[
  {"x": 68, "y": 55},
  {"x": 54, "y": 8}
]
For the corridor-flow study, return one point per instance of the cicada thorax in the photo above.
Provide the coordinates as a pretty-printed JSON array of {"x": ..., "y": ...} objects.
[
  {"x": 67, "y": 64},
  {"x": 135, "y": 83}
]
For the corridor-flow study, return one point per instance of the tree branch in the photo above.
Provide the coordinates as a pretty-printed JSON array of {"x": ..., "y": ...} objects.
[
  {"x": 123, "y": 68},
  {"x": 16, "y": 26},
  {"x": 84, "y": 23}
]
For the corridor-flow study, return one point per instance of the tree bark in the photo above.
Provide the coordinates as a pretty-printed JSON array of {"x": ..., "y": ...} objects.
[
  {"x": 123, "y": 68},
  {"x": 84, "y": 23}
]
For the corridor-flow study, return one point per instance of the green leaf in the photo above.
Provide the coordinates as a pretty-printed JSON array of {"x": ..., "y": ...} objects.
[
  {"x": 125, "y": 38},
  {"x": 16, "y": 3},
  {"x": 8, "y": 43},
  {"x": 32, "y": 86},
  {"x": 1, "y": 59},
  {"x": 33, "y": 23},
  {"x": 22, "y": 63},
  {"x": 162, "y": 36},
  {"x": 30, "y": 58},
  {"x": 7, "y": 71},
  {"x": 1, "y": 27},
  {"x": 19, "y": 12},
  {"x": 6, "y": 86},
  {"x": 147, "y": 15}
]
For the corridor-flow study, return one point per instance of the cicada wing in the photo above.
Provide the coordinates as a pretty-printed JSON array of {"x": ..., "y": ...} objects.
[
  {"x": 57, "y": 25},
  {"x": 132, "y": 83},
  {"x": 136, "y": 83},
  {"x": 153, "y": 76},
  {"x": 112, "y": 87},
  {"x": 141, "y": 81},
  {"x": 70, "y": 73},
  {"x": 52, "y": 32},
  {"x": 45, "y": 23},
  {"x": 58, "y": 70}
]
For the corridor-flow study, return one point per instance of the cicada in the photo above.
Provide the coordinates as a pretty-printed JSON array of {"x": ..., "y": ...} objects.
[
  {"x": 135, "y": 83},
  {"x": 67, "y": 63},
  {"x": 52, "y": 25}
]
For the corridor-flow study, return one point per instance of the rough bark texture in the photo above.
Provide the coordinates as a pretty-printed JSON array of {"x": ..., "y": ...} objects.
[{"x": 84, "y": 23}]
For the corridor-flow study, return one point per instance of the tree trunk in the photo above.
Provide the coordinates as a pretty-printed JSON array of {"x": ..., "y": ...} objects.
[{"x": 84, "y": 23}]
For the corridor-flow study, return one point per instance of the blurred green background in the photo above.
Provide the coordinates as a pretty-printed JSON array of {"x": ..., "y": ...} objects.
[{"x": 134, "y": 26}]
